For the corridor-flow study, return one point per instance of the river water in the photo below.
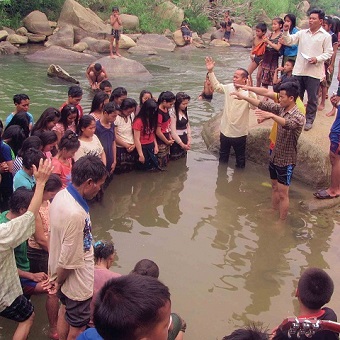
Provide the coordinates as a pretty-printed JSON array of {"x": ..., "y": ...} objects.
[{"x": 220, "y": 250}]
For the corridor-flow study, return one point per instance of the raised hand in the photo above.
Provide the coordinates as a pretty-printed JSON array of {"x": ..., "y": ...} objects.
[{"x": 209, "y": 63}]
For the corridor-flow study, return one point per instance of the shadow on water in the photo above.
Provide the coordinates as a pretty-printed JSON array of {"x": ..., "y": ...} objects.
[{"x": 209, "y": 227}]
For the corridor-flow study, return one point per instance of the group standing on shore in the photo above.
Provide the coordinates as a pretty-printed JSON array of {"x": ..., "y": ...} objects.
[{"x": 50, "y": 169}]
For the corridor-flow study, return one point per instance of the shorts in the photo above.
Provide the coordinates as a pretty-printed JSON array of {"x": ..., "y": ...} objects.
[
  {"x": 335, "y": 143},
  {"x": 28, "y": 286},
  {"x": 258, "y": 59},
  {"x": 115, "y": 34},
  {"x": 20, "y": 309},
  {"x": 77, "y": 312},
  {"x": 227, "y": 35},
  {"x": 283, "y": 174},
  {"x": 207, "y": 96}
]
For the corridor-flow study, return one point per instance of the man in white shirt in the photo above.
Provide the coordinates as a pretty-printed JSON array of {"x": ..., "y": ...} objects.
[
  {"x": 235, "y": 117},
  {"x": 314, "y": 47}
]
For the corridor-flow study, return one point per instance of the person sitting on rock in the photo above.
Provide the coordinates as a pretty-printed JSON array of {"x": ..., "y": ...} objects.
[
  {"x": 186, "y": 33},
  {"x": 95, "y": 74}
]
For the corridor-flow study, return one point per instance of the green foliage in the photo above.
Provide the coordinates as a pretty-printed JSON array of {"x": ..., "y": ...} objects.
[{"x": 198, "y": 22}]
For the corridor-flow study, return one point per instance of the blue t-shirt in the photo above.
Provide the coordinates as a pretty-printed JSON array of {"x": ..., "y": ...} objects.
[
  {"x": 5, "y": 156},
  {"x": 11, "y": 115},
  {"x": 106, "y": 137},
  {"x": 90, "y": 334},
  {"x": 23, "y": 179},
  {"x": 291, "y": 51}
]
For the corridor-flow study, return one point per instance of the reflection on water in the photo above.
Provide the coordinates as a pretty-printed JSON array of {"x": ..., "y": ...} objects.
[{"x": 208, "y": 226}]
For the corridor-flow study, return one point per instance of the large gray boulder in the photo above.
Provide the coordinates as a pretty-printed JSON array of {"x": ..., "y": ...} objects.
[
  {"x": 57, "y": 54},
  {"x": 130, "y": 22},
  {"x": 36, "y": 38},
  {"x": 156, "y": 41},
  {"x": 7, "y": 48},
  {"x": 64, "y": 37},
  {"x": 243, "y": 36},
  {"x": 80, "y": 47},
  {"x": 178, "y": 38},
  {"x": 169, "y": 11},
  {"x": 75, "y": 14},
  {"x": 125, "y": 68},
  {"x": 37, "y": 22},
  {"x": 125, "y": 42},
  {"x": 142, "y": 50},
  {"x": 80, "y": 34},
  {"x": 97, "y": 45}
]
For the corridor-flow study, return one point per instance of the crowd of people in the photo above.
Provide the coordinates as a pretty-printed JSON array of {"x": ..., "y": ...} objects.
[{"x": 50, "y": 169}]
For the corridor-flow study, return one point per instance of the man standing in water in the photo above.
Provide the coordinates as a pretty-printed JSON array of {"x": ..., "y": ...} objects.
[
  {"x": 314, "y": 48},
  {"x": 283, "y": 157},
  {"x": 71, "y": 262}
]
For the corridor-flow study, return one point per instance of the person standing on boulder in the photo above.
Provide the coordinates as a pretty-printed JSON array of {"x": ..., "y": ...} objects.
[{"x": 116, "y": 23}]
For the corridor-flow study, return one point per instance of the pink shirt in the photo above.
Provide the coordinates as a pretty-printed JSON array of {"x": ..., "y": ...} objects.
[{"x": 62, "y": 170}]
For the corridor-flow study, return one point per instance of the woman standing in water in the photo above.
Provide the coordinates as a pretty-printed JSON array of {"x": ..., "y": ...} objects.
[{"x": 180, "y": 127}]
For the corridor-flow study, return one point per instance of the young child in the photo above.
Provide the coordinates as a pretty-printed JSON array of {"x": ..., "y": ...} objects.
[
  {"x": 89, "y": 142},
  {"x": 257, "y": 52},
  {"x": 315, "y": 289},
  {"x": 62, "y": 162},
  {"x": 116, "y": 23},
  {"x": 329, "y": 27},
  {"x": 144, "y": 129},
  {"x": 271, "y": 56},
  {"x": 106, "y": 87},
  {"x": 166, "y": 100},
  {"x": 105, "y": 132},
  {"x": 235, "y": 117},
  {"x": 208, "y": 90},
  {"x": 286, "y": 72},
  {"x": 227, "y": 27},
  {"x": 24, "y": 177},
  {"x": 186, "y": 32},
  {"x": 290, "y": 52}
]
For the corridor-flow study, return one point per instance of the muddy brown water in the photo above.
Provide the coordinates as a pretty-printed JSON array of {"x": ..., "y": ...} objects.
[{"x": 220, "y": 249}]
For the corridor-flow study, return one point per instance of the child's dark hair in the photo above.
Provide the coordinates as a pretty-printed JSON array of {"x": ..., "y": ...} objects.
[
  {"x": 279, "y": 21},
  {"x": 142, "y": 93},
  {"x": 184, "y": 23},
  {"x": 17, "y": 98},
  {"x": 146, "y": 267},
  {"x": 21, "y": 118},
  {"x": 291, "y": 88},
  {"x": 251, "y": 332},
  {"x": 84, "y": 122},
  {"x": 75, "y": 91},
  {"x": 315, "y": 288},
  {"x": 128, "y": 103},
  {"x": 111, "y": 107},
  {"x": 88, "y": 167},
  {"x": 15, "y": 137},
  {"x": 262, "y": 26},
  {"x": 31, "y": 142},
  {"x": 115, "y": 8},
  {"x": 97, "y": 67},
  {"x": 148, "y": 115},
  {"x": 292, "y": 18},
  {"x": 166, "y": 96},
  {"x": 20, "y": 199},
  {"x": 223, "y": 24},
  {"x": 180, "y": 96},
  {"x": 53, "y": 183},
  {"x": 66, "y": 111},
  {"x": 69, "y": 141},
  {"x": 118, "y": 92},
  {"x": 102, "y": 250},
  {"x": 292, "y": 61},
  {"x": 47, "y": 137},
  {"x": 98, "y": 100},
  {"x": 32, "y": 157},
  {"x": 49, "y": 115},
  {"x": 128, "y": 307},
  {"x": 104, "y": 83}
]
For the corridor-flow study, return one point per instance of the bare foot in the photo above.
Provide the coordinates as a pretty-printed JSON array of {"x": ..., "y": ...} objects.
[
  {"x": 321, "y": 107},
  {"x": 112, "y": 56},
  {"x": 331, "y": 112},
  {"x": 118, "y": 54}
]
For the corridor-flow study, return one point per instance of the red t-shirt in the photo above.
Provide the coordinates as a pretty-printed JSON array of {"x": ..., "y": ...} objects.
[
  {"x": 144, "y": 138},
  {"x": 79, "y": 107}
]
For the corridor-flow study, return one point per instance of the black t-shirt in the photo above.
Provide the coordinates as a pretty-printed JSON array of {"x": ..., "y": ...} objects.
[{"x": 320, "y": 335}]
